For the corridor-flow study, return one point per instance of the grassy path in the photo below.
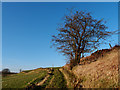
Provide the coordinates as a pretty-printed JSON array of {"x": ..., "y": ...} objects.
[
  {"x": 53, "y": 80},
  {"x": 72, "y": 80},
  {"x": 50, "y": 82},
  {"x": 58, "y": 80},
  {"x": 67, "y": 77},
  {"x": 43, "y": 81},
  {"x": 47, "y": 82},
  {"x": 39, "y": 84}
]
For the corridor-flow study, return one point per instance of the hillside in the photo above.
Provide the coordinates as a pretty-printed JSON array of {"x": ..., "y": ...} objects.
[{"x": 101, "y": 71}]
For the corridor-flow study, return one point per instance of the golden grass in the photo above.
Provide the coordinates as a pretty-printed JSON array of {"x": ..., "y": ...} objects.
[{"x": 102, "y": 73}]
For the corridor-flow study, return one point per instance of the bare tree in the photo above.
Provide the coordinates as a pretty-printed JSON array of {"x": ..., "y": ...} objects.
[{"x": 80, "y": 34}]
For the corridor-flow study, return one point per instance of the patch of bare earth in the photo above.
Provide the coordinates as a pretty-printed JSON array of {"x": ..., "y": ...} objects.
[
  {"x": 102, "y": 73},
  {"x": 40, "y": 83}
]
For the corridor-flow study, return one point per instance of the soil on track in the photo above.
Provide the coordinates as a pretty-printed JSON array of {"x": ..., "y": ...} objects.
[
  {"x": 40, "y": 83},
  {"x": 50, "y": 80}
]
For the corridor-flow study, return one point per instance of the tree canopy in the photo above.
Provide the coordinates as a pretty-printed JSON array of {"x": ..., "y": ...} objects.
[{"x": 80, "y": 34}]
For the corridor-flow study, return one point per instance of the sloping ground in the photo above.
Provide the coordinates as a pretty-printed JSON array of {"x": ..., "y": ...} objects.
[
  {"x": 103, "y": 73},
  {"x": 94, "y": 56}
]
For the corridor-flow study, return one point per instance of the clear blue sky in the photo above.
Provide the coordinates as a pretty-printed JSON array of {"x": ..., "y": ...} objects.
[{"x": 28, "y": 27}]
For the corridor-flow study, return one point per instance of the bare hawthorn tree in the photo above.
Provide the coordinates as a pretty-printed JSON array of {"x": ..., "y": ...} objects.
[{"x": 80, "y": 34}]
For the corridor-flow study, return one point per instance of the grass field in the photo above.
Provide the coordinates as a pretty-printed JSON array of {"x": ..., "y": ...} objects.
[
  {"x": 28, "y": 78},
  {"x": 21, "y": 80}
]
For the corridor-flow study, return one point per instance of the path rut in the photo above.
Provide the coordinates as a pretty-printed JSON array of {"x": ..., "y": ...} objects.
[
  {"x": 67, "y": 78},
  {"x": 40, "y": 83}
]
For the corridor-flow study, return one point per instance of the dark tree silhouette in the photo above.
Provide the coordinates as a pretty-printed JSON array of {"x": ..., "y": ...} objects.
[
  {"x": 5, "y": 71},
  {"x": 20, "y": 70},
  {"x": 80, "y": 34}
]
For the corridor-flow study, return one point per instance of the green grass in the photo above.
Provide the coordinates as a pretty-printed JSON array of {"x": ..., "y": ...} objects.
[
  {"x": 47, "y": 81},
  {"x": 54, "y": 67},
  {"x": 58, "y": 81},
  {"x": 26, "y": 71},
  {"x": 0, "y": 81},
  {"x": 21, "y": 80},
  {"x": 38, "y": 79}
]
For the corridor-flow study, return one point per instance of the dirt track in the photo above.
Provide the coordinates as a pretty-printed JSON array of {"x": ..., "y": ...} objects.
[{"x": 40, "y": 83}]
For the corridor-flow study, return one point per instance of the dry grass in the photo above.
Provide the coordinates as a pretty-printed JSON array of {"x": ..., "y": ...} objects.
[{"x": 102, "y": 73}]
